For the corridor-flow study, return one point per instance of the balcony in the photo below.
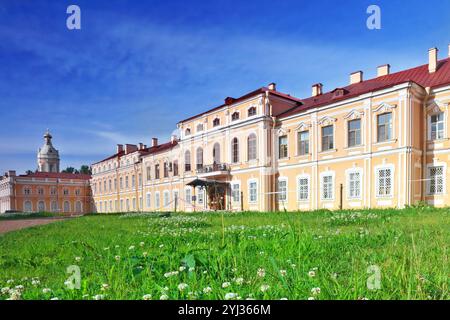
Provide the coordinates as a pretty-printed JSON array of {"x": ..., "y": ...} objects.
[{"x": 216, "y": 169}]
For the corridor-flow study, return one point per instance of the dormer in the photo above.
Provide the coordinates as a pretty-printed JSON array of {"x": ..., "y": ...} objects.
[{"x": 339, "y": 92}]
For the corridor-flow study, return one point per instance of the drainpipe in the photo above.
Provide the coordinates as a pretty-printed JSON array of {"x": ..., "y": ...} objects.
[
  {"x": 424, "y": 147},
  {"x": 273, "y": 152}
]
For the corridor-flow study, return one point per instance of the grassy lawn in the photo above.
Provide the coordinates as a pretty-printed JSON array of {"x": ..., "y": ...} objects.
[{"x": 320, "y": 255}]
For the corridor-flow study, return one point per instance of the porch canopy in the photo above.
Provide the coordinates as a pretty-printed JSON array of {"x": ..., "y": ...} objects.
[{"x": 205, "y": 183}]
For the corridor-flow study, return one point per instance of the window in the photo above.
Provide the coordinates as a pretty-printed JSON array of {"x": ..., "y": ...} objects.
[
  {"x": 133, "y": 181},
  {"x": 166, "y": 169},
  {"x": 436, "y": 180},
  {"x": 175, "y": 198},
  {"x": 66, "y": 192},
  {"x": 187, "y": 161},
  {"x": 175, "y": 168},
  {"x": 282, "y": 190},
  {"x": 121, "y": 183},
  {"x": 303, "y": 143},
  {"x": 327, "y": 138},
  {"x": 251, "y": 146},
  {"x": 26, "y": 190},
  {"x": 53, "y": 191},
  {"x": 303, "y": 188},
  {"x": 253, "y": 191},
  {"x": 157, "y": 171},
  {"x": 200, "y": 196},
  {"x": 354, "y": 184},
  {"x": 235, "y": 150},
  {"x": 384, "y": 182},
  {"x": 40, "y": 191},
  {"x": 236, "y": 192},
  {"x": 252, "y": 112},
  {"x": 235, "y": 116},
  {"x": 104, "y": 186},
  {"x": 354, "y": 133},
  {"x": 67, "y": 206},
  {"x": 166, "y": 198},
  {"x": 283, "y": 147},
  {"x": 54, "y": 206},
  {"x": 148, "y": 200},
  {"x": 216, "y": 122},
  {"x": 199, "y": 127},
  {"x": 77, "y": 192},
  {"x": 126, "y": 182},
  {"x": 199, "y": 158},
  {"x": 79, "y": 207},
  {"x": 187, "y": 132},
  {"x": 140, "y": 180},
  {"x": 115, "y": 184},
  {"x": 437, "y": 126},
  {"x": 216, "y": 153},
  {"x": 327, "y": 187},
  {"x": 110, "y": 206},
  {"x": 27, "y": 206},
  {"x": 134, "y": 203},
  {"x": 188, "y": 196},
  {"x": 41, "y": 206},
  {"x": 110, "y": 185},
  {"x": 149, "y": 173},
  {"x": 384, "y": 127}
]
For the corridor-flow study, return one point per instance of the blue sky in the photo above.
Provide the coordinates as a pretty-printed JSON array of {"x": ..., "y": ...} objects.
[{"x": 136, "y": 68}]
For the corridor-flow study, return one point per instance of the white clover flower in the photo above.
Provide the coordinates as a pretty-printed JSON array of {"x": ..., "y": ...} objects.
[
  {"x": 164, "y": 289},
  {"x": 161, "y": 245},
  {"x": 5, "y": 290},
  {"x": 283, "y": 273},
  {"x": 35, "y": 282},
  {"x": 239, "y": 281},
  {"x": 231, "y": 296},
  {"x": 312, "y": 274},
  {"x": 164, "y": 297},
  {"x": 117, "y": 246},
  {"x": 261, "y": 272},
  {"x": 99, "y": 297},
  {"x": 142, "y": 243},
  {"x": 117, "y": 258},
  {"x": 284, "y": 299},
  {"x": 106, "y": 248},
  {"x": 226, "y": 284},
  {"x": 10, "y": 281},
  {"x": 46, "y": 290},
  {"x": 19, "y": 287},
  {"x": 293, "y": 265},
  {"x": 147, "y": 297},
  {"x": 170, "y": 274},
  {"x": 234, "y": 270},
  {"x": 311, "y": 298},
  {"x": 261, "y": 253},
  {"x": 181, "y": 269},
  {"x": 205, "y": 272},
  {"x": 15, "y": 295},
  {"x": 182, "y": 286},
  {"x": 131, "y": 247},
  {"x": 77, "y": 259},
  {"x": 207, "y": 290},
  {"x": 264, "y": 287},
  {"x": 315, "y": 291},
  {"x": 191, "y": 269},
  {"x": 145, "y": 254},
  {"x": 105, "y": 286},
  {"x": 54, "y": 298}
]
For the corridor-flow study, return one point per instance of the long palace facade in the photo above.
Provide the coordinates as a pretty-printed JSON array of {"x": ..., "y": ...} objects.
[{"x": 377, "y": 143}]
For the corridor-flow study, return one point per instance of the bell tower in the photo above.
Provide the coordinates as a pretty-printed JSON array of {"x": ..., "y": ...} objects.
[{"x": 48, "y": 156}]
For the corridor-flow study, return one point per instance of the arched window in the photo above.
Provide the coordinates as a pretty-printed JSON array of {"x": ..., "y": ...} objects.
[
  {"x": 54, "y": 206},
  {"x": 187, "y": 132},
  {"x": 200, "y": 127},
  {"x": 27, "y": 206},
  {"x": 41, "y": 206},
  {"x": 252, "y": 112},
  {"x": 66, "y": 206},
  {"x": 251, "y": 146},
  {"x": 235, "y": 116},
  {"x": 187, "y": 161},
  {"x": 216, "y": 153},
  {"x": 199, "y": 157},
  {"x": 235, "y": 150},
  {"x": 79, "y": 207},
  {"x": 216, "y": 122}
]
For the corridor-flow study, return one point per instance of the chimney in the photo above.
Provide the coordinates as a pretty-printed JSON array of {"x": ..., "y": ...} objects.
[
  {"x": 154, "y": 142},
  {"x": 129, "y": 148},
  {"x": 317, "y": 89},
  {"x": 141, "y": 146},
  {"x": 11, "y": 173},
  {"x": 432, "y": 60},
  {"x": 119, "y": 148},
  {"x": 173, "y": 138},
  {"x": 383, "y": 70},
  {"x": 272, "y": 86},
  {"x": 356, "y": 77}
]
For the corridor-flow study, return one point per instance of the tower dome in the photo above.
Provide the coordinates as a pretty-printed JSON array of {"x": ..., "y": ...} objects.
[{"x": 48, "y": 156}]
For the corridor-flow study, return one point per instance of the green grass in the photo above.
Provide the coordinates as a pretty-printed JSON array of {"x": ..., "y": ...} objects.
[{"x": 410, "y": 248}]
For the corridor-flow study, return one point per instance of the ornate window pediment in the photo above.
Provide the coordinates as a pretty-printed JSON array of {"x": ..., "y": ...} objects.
[
  {"x": 302, "y": 126},
  {"x": 384, "y": 107},
  {"x": 435, "y": 107},
  {"x": 282, "y": 132},
  {"x": 354, "y": 114},
  {"x": 326, "y": 121}
]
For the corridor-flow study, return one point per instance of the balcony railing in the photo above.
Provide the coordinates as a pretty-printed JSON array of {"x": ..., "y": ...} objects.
[{"x": 216, "y": 167}]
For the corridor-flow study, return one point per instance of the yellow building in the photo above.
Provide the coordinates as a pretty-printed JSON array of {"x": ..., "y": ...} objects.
[{"x": 376, "y": 143}]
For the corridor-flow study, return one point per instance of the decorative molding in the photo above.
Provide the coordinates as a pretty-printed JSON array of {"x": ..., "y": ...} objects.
[
  {"x": 302, "y": 126},
  {"x": 354, "y": 114},
  {"x": 326, "y": 121},
  {"x": 282, "y": 132},
  {"x": 435, "y": 107},
  {"x": 384, "y": 107}
]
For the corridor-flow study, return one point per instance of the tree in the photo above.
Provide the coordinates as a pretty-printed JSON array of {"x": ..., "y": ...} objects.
[
  {"x": 29, "y": 172},
  {"x": 70, "y": 170},
  {"x": 85, "y": 169}
]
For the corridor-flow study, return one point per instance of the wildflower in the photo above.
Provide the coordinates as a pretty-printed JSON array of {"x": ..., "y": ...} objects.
[
  {"x": 117, "y": 258},
  {"x": 207, "y": 290},
  {"x": 46, "y": 290},
  {"x": 35, "y": 282},
  {"x": 234, "y": 270},
  {"x": 261, "y": 253},
  {"x": 182, "y": 286},
  {"x": 334, "y": 276},
  {"x": 205, "y": 272},
  {"x": 192, "y": 295},
  {"x": 264, "y": 287},
  {"x": 182, "y": 269},
  {"x": 77, "y": 259},
  {"x": 170, "y": 274},
  {"x": 311, "y": 298},
  {"x": 315, "y": 291},
  {"x": 226, "y": 284},
  {"x": 19, "y": 287},
  {"x": 106, "y": 248},
  {"x": 54, "y": 298},
  {"x": 10, "y": 281},
  {"x": 231, "y": 296},
  {"x": 164, "y": 297},
  {"x": 293, "y": 265},
  {"x": 142, "y": 244},
  {"x": 15, "y": 295},
  {"x": 5, "y": 290},
  {"x": 161, "y": 245},
  {"x": 312, "y": 274},
  {"x": 147, "y": 297},
  {"x": 191, "y": 269},
  {"x": 239, "y": 281},
  {"x": 283, "y": 273},
  {"x": 131, "y": 247},
  {"x": 99, "y": 297},
  {"x": 145, "y": 254},
  {"x": 261, "y": 273},
  {"x": 283, "y": 298},
  {"x": 105, "y": 286}
]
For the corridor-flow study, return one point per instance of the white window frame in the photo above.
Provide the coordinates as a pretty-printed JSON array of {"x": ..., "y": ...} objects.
[
  {"x": 444, "y": 178},
  {"x": 286, "y": 193},
  {"x": 148, "y": 200},
  {"x": 166, "y": 193},
  {"x": 157, "y": 200},
  {"x": 307, "y": 177},
  {"x": 333, "y": 186},
  {"x": 377, "y": 180},
  {"x": 186, "y": 190},
  {"x": 249, "y": 190},
  {"x": 444, "y": 135},
  {"x": 361, "y": 183},
  {"x": 235, "y": 183}
]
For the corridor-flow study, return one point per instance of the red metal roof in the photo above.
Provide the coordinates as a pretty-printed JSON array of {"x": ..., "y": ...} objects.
[
  {"x": 60, "y": 175},
  {"x": 419, "y": 75}
]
